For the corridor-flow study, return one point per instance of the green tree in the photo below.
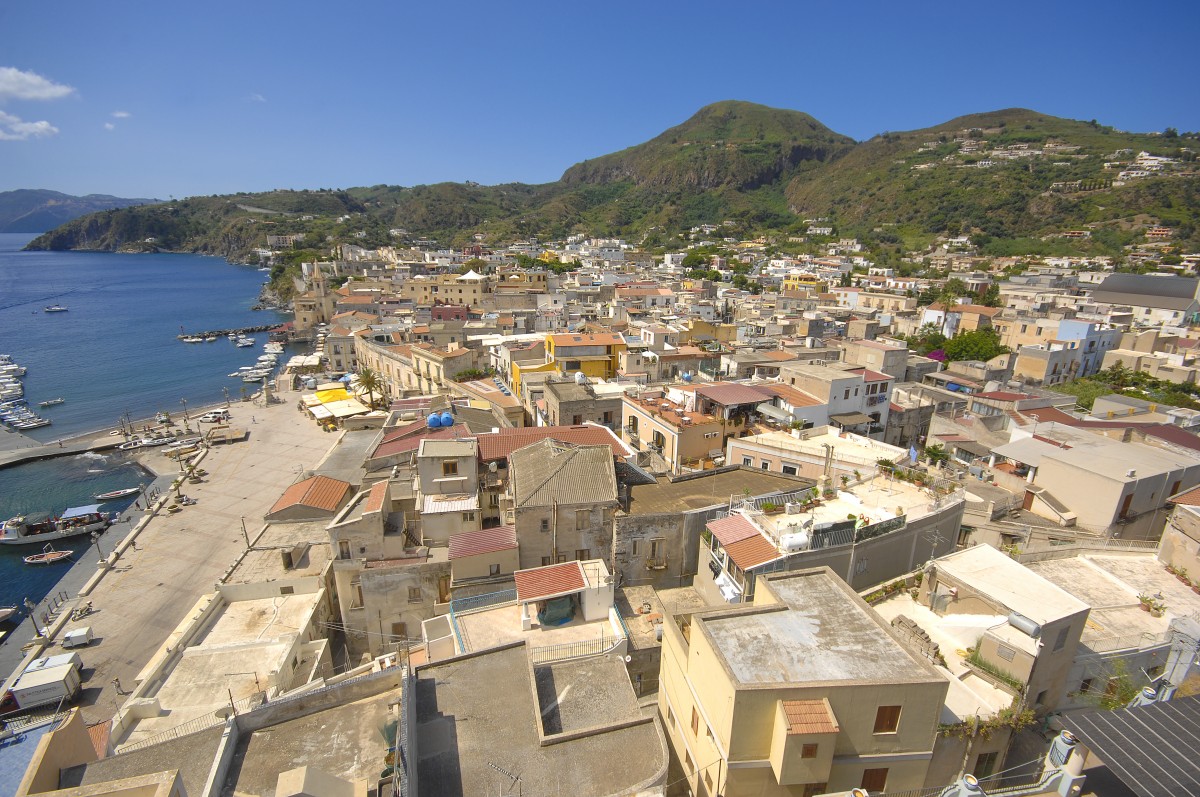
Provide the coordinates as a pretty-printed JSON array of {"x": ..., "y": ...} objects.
[
  {"x": 953, "y": 289},
  {"x": 936, "y": 453},
  {"x": 979, "y": 344},
  {"x": 370, "y": 381},
  {"x": 991, "y": 297}
]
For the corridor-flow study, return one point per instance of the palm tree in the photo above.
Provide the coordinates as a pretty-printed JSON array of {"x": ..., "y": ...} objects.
[{"x": 370, "y": 381}]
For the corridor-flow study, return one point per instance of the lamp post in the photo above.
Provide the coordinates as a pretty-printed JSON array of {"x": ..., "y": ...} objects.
[
  {"x": 96, "y": 542},
  {"x": 30, "y": 607},
  {"x": 225, "y": 390},
  {"x": 186, "y": 420}
]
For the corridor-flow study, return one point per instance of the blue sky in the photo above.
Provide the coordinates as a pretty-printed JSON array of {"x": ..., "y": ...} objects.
[{"x": 175, "y": 99}]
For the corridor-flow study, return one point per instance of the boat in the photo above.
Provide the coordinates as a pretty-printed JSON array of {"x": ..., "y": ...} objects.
[
  {"x": 51, "y": 402},
  {"x": 6, "y": 612},
  {"x": 36, "y": 423},
  {"x": 192, "y": 339},
  {"x": 54, "y": 308},
  {"x": 115, "y": 494},
  {"x": 48, "y": 556},
  {"x": 241, "y": 344},
  {"x": 130, "y": 446},
  {"x": 40, "y": 527},
  {"x": 160, "y": 440}
]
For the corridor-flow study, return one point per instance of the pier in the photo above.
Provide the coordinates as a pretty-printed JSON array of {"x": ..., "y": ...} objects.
[{"x": 220, "y": 333}]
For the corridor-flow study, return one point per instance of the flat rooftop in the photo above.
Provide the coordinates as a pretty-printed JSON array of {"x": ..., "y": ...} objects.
[
  {"x": 708, "y": 490},
  {"x": 346, "y": 460},
  {"x": 465, "y": 732},
  {"x": 192, "y": 755},
  {"x": 997, "y": 576},
  {"x": 264, "y": 562},
  {"x": 819, "y": 633},
  {"x": 347, "y": 741},
  {"x": 501, "y": 625}
]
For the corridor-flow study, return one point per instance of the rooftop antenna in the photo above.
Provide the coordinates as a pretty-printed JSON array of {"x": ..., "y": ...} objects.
[{"x": 516, "y": 779}]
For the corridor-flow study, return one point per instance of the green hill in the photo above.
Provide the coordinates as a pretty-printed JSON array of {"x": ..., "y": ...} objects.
[{"x": 1006, "y": 176}]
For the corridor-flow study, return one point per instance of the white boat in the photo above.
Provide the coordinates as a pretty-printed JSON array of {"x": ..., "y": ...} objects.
[
  {"x": 131, "y": 445},
  {"x": 54, "y": 308},
  {"x": 51, "y": 402},
  {"x": 33, "y": 424},
  {"x": 6, "y": 612},
  {"x": 40, "y": 528},
  {"x": 252, "y": 378},
  {"x": 210, "y": 339},
  {"x": 48, "y": 556},
  {"x": 115, "y": 494},
  {"x": 242, "y": 344},
  {"x": 160, "y": 440},
  {"x": 232, "y": 336},
  {"x": 192, "y": 339}
]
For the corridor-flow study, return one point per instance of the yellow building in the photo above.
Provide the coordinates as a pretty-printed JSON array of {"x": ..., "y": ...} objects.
[
  {"x": 804, "y": 282},
  {"x": 803, "y": 693},
  {"x": 596, "y": 355}
]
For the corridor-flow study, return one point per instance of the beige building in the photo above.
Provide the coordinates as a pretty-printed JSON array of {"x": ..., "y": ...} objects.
[{"x": 805, "y": 692}]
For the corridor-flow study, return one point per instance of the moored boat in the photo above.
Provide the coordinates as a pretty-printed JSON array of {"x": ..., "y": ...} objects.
[
  {"x": 115, "y": 494},
  {"x": 48, "y": 556},
  {"x": 54, "y": 308},
  {"x": 38, "y": 528},
  {"x": 51, "y": 402}
]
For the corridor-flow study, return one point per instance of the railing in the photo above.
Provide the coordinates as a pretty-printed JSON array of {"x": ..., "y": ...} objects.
[
  {"x": 196, "y": 725},
  {"x": 574, "y": 650},
  {"x": 476, "y": 603},
  {"x": 1126, "y": 642},
  {"x": 401, "y": 778}
]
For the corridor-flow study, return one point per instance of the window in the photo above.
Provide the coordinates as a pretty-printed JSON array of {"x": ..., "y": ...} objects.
[
  {"x": 576, "y": 420},
  {"x": 546, "y": 561},
  {"x": 635, "y": 548},
  {"x": 887, "y": 719},
  {"x": 748, "y": 461},
  {"x": 468, "y": 517},
  {"x": 583, "y": 554},
  {"x": 562, "y": 557},
  {"x": 656, "y": 548},
  {"x": 450, "y": 467},
  {"x": 1061, "y": 640},
  {"x": 708, "y": 781},
  {"x": 765, "y": 465},
  {"x": 581, "y": 519},
  {"x": 287, "y": 590},
  {"x": 1041, "y": 698},
  {"x": 874, "y": 779},
  {"x": 847, "y": 395},
  {"x": 1005, "y": 652},
  {"x": 695, "y": 722},
  {"x": 414, "y": 594},
  {"x": 1085, "y": 686},
  {"x": 356, "y": 595},
  {"x": 343, "y": 549},
  {"x": 985, "y": 764},
  {"x": 710, "y": 435},
  {"x": 399, "y": 631},
  {"x": 670, "y": 718},
  {"x": 493, "y": 570},
  {"x": 545, "y": 524},
  {"x": 808, "y": 751},
  {"x": 789, "y": 470},
  {"x": 688, "y": 765}
]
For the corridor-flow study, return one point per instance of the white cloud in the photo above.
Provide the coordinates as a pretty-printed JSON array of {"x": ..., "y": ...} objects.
[
  {"x": 109, "y": 126},
  {"x": 256, "y": 97},
  {"x": 18, "y": 85},
  {"x": 121, "y": 114},
  {"x": 13, "y": 128}
]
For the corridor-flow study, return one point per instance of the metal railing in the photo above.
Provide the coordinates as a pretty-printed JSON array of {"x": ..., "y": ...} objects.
[
  {"x": 574, "y": 650},
  {"x": 476, "y": 603},
  {"x": 195, "y": 725}
]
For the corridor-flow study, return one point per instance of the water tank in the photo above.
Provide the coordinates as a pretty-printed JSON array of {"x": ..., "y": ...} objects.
[
  {"x": 580, "y": 378},
  {"x": 434, "y": 420},
  {"x": 1144, "y": 698},
  {"x": 1061, "y": 749},
  {"x": 1024, "y": 625},
  {"x": 687, "y": 376},
  {"x": 794, "y": 542},
  {"x": 447, "y": 419},
  {"x": 966, "y": 786}
]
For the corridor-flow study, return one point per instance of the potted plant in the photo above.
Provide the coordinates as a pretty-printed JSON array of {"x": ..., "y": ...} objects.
[
  {"x": 771, "y": 507},
  {"x": 845, "y": 481}
]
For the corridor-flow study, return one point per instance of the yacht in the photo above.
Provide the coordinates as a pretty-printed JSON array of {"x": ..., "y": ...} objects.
[{"x": 42, "y": 527}]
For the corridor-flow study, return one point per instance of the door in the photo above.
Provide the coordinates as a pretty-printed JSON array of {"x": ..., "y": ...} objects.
[
  {"x": 1028, "y": 502},
  {"x": 443, "y": 589}
]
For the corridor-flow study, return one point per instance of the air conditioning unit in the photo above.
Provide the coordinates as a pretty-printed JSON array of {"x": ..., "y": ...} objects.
[{"x": 792, "y": 508}]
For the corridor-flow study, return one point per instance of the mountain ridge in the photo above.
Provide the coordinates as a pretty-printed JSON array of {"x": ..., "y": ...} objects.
[
  {"x": 761, "y": 168},
  {"x": 37, "y": 210}
]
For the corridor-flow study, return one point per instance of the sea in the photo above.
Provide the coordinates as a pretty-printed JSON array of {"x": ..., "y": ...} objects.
[{"x": 113, "y": 354}]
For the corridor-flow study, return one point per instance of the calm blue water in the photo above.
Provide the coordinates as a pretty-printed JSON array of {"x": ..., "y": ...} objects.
[{"x": 113, "y": 352}]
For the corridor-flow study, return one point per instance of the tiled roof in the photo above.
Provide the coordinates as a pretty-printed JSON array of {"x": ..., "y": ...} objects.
[
  {"x": 549, "y": 471},
  {"x": 1002, "y": 395},
  {"x": 752, "y": 552},
  {"x": 99, "y": 735},
  {"x": 475, "y": 543},
  {"x": 608, "y": 339},
  {"x": 809, "y": 716},
  {"x": 539, "y": 583},
  {"x": 375, "y": 497},
  {"x": 319, "y": 492},
  {"x": 498, "y": 445},
  {"x": 1189, "y": 497},
  {"x": 732, "y": 529},
  {"x": 410, "y": 440}
]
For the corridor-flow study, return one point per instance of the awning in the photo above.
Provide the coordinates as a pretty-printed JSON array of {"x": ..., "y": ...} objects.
[
  {"x": 347, "y": 408},
  {"x": 974, "y": 448},
  {"x": 319, "y": 412},
  {"x": 79, "y": 511},
  {"x": 850, "y": 418},
  {"x": 771, "y": 411},
  {"x": 330, "y": 396}
]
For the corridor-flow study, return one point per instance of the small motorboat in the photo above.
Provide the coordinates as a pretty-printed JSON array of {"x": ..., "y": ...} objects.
[
  {"x": 115, "y": 494},
  {"x": 160, "y": 440},
  {"x": 51, "y": 402},
  {"x": 131, "y": 445},
  {"x": 48, "y": 556},
  {"x": 54, "y": 308},
  {"x": 7, "y": 612}
]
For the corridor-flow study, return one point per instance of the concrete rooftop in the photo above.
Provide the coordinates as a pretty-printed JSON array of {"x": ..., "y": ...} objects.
[
  {"x": 192, "y": 755},
  {"x": 502, "y": 626},
  {"x": 348, "y": 741},
  {"x": 997, "y": 576},
  {"x": 479, "y": 713},
  {"x": 819, "y": 634},
  {"x": 708, "y": 490}
]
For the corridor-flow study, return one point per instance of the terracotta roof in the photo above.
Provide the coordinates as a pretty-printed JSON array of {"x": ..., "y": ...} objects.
[
  {"x": 752, "y": 552},
  {"x": 99, "y": 735},
  {"x": 871, "y": 376},
  {"x": 1163, "y": 431},
  {"x": 400, "y": 443},
  {"x": 475, "y": 543},
  {"x": 498, "y": 445},
  {"x": 779, "y": 356},
  {"x": 1189, "y": 497},
  {"x": 793, "y": 396},
  {"x": 319, "y": 492},
  {"x": 732, "y": 529},
  {"x": 608, "y": 339},
  {"x": 375, "y": 497},
  {"x": 539, "y": 583},
  {"x": 809, "y": 716}
]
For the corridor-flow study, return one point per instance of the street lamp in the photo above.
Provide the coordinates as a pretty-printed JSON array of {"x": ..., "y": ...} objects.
[
  {"x": 186, "y": 419},
  {"x": 30, "y": 607},
  {"x": 225, "y": 390},
  {"x": 96, "y": 542}
]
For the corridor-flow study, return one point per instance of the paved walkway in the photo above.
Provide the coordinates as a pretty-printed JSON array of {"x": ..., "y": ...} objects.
[{"x": 179, "y": 557}]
